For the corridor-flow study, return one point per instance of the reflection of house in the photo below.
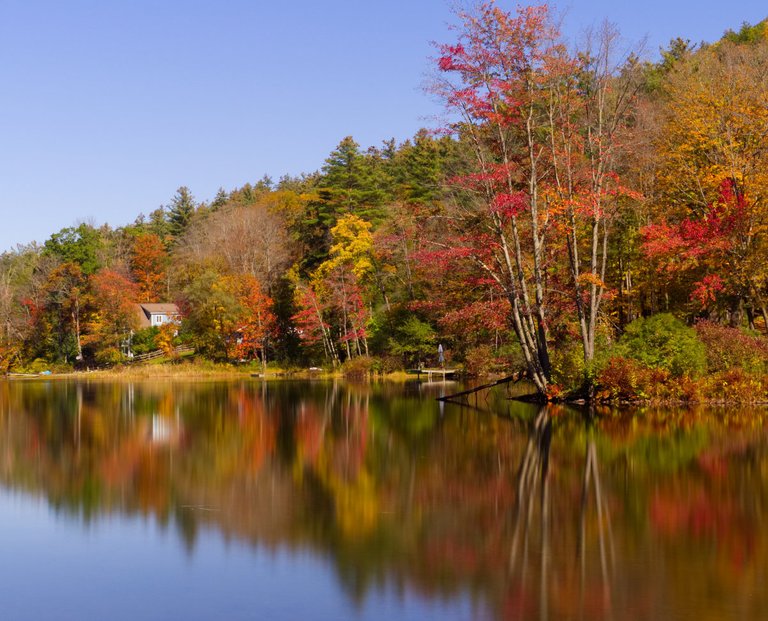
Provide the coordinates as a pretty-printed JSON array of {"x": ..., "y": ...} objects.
[
  {"x": 164, "y": 430},
  {"x": 157, "y": 314}
]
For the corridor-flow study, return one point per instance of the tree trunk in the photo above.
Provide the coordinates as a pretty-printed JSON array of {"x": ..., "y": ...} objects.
[{"x": 76, "y": 320}]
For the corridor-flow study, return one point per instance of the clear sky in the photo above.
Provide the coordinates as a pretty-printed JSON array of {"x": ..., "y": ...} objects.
[{"x": 108, "y": 106}]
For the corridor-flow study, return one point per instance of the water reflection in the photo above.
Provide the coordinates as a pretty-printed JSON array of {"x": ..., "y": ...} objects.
[
  {"x": 525, "y": 514},
  {"x": 592, "y": 486},
  {"x": 533, "y": 492}
]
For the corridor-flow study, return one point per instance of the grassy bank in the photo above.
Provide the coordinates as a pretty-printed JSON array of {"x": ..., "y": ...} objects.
[{"x": 201, "y": 369}]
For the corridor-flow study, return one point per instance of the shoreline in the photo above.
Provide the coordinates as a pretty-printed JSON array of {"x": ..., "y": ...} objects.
[
  {"x": 195, "y": 373},
  {"x": 191, "y": 372}
]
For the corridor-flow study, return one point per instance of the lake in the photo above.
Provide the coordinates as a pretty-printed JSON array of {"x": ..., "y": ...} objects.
[{"x": 322, "y": 500}]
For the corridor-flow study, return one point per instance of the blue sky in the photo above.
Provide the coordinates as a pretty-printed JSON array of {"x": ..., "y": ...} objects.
[{"x": 108, "y": 106}]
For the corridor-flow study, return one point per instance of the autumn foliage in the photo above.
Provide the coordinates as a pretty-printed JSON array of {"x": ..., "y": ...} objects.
[
  {"x": 255, "y": 321},
  {"x": 570, "y": 192},
  {"x": 149, "y": 263}
]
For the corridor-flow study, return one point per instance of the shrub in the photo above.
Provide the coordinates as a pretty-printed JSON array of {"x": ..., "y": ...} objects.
[
  {"x": 479, "y": 360},
  {"x": 735, "y": 386},
  {"x": 623, "y": 379},
  {"x": 358, "y": 368},
  {"x": 109, "y": 356},
  {"x": 390, "y": 364},
  {"x": 39, "y": 365},
  {"x": 143, "y": 341},
  {"x": 730, "y": 348},
  {"x": 663, "y": 342},
  {"x": 485, "y": 360}
]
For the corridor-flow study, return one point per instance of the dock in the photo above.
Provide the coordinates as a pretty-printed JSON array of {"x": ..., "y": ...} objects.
[{"x": 433, "y": 374}]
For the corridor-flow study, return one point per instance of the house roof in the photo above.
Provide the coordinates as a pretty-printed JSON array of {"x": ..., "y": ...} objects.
[
  {"x": 145, "y": 312},
  {"x": 171, "y": 309}
]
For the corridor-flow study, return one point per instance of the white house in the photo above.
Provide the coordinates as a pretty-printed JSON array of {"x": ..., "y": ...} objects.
[{"x": 155, "y": 315}]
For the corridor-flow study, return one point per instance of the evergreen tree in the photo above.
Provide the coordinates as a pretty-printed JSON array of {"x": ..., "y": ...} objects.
[
  {"x": 180, "y": 211},
  {"x": 420, "y": 170},
  {"x": 158, "y": 224},
  {"x": 219, "y": 200},
  {"x": 353, "y": 182}
]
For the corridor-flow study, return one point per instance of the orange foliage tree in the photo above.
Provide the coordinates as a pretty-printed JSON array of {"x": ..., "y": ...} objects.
[
  {"x": 148, "y": 266},
  {"x": 255, "y": 322},
  {"x": 114, "y": 301}
]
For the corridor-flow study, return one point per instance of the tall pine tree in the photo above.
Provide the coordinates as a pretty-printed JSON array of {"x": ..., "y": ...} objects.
[{"x": 180, "y": 211}]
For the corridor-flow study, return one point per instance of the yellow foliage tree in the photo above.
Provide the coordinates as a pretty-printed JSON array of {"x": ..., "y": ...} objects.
[
  {"x": 715, "y": 135},
  {"x": 344, "y": 281}
]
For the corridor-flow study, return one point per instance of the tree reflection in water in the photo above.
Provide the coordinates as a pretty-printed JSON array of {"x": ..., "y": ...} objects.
[
  {"x": 592, "y": 481},
  {"x": 533, "y": 477},
  {"x": 533, "y": 493},
  {"x": 529, "y": 514}
]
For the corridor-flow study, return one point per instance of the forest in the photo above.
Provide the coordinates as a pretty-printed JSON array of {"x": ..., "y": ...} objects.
[{"x": 592, "y": 218}]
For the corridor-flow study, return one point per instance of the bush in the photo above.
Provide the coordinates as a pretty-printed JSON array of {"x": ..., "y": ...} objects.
[
  {"x": 731, "y": 348},
  {"x": 143, "y": 341},
  {"x": 479, "y": 360},
  {"x": 735, "y": 386},
  {"x": 358, "y": 368},
  {"x": 623, "y": 379},
  {"x": 390, "y": 364},
  {"x": 109, "y": 357},
  {"x": 663, "y": 342},
  {"x": 484, "y": 360},
  {"x": 38, "y": 365}
]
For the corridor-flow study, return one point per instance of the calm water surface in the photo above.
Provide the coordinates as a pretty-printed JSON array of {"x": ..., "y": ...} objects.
[{"x": 293, "y": 500}]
